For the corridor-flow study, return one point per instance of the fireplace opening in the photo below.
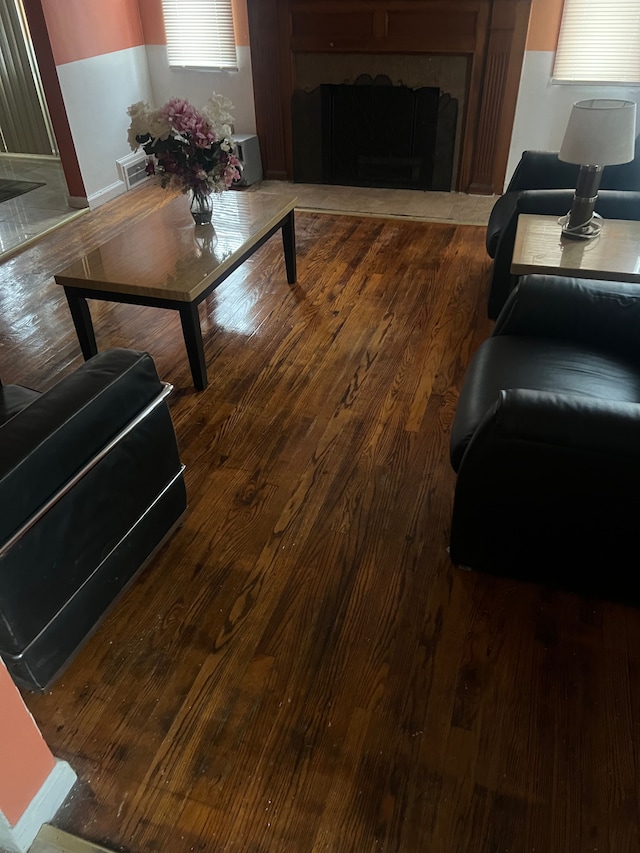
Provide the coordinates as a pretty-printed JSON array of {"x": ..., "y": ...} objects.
[{"x": 372, "y": 133}]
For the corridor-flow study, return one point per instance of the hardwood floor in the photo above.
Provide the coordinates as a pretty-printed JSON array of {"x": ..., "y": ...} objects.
[{"x": 302, "y": 668}]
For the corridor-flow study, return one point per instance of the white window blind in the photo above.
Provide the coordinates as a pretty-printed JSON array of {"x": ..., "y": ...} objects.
[
  {"x": 599, "y": 42},
  {"x": 200, "y": 33}
]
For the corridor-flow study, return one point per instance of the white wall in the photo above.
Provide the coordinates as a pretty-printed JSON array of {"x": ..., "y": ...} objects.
[
  {"x": 97, "y": 92},
  {"x": 197, "y": 86},
  {"x": 543, "y": 107}
]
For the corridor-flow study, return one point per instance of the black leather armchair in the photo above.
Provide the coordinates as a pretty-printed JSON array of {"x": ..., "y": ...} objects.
[
  {"x": 542, "y": 170},
  {"x": 91, "y": 486},
  {"x": 546, "y": 439},
  {"x": 611, "y": 204}
]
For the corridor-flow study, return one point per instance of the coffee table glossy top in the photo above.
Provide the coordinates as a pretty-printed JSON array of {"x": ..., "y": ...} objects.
[
  {"x": 165, "y": 255},
  {"x": 540, "y": 247}
]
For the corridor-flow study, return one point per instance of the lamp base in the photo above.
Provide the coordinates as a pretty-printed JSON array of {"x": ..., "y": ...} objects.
[
  {"x": 581, "y": 222},
  {"x": 584, "y": 231}
]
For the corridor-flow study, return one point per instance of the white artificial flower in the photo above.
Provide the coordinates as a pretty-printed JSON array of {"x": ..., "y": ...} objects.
[
  {"x": 146, "y": 121},
  {"x": 217, "y": 112},
  {"x": 139, "y": 113},
  {"x": 158, "y": 125},
  {"x": 138, "y": 109}
]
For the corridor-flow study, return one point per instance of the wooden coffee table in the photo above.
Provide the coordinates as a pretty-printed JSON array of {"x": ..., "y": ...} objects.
[
  {"x": 540, "y": 247},
  {"x": 165, "y": 261}
]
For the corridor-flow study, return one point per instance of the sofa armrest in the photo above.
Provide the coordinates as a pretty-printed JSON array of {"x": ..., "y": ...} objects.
[
  {"x": 499, "y": 218},
  {"x": 583, "y": 311},
  {"x": 544, "y": 424},
  {"x": 542, "y": 170},
  {"x": 49, "y": 441}
]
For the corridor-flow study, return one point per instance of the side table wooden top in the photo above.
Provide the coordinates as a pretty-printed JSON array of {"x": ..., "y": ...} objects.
[{"x": 540, "y": 247}]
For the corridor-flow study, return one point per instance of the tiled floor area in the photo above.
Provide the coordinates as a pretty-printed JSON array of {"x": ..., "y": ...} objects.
[{"x": 26, "y": 217}]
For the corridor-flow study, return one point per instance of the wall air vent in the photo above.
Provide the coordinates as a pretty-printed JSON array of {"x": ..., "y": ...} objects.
[{"x": 132, "y": 169}]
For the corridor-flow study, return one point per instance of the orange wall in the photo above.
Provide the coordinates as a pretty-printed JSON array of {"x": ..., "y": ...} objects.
[
  {"x": 152, "y": 22},
  {"x": 241, "y": 22},
  {"x": 79, "y": 29},
  {"x": 153, "y": 26},
  {"x": 25, "y": 759},
  {"x": 544, "y": 24}
]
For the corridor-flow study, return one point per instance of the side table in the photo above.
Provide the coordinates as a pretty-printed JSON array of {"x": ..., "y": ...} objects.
[{"x": 540, "y": 247}]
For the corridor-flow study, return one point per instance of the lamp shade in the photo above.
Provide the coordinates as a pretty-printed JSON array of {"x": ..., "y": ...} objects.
[{"x": 600, "y": 132}]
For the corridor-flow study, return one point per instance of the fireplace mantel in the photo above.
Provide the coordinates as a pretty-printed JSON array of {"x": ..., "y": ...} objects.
[{"x": 491, "y": 33}]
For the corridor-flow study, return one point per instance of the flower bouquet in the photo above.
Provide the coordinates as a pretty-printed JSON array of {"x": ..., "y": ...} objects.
[{"x": 189, "y": 149}]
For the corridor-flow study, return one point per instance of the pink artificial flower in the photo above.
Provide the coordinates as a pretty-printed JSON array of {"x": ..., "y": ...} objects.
[
  {"x": 191, "y": 155},
  {"x": 189, "y": 122}
]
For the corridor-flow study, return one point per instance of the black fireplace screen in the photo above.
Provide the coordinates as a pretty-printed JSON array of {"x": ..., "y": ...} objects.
[{"x": 374, "y": 134}]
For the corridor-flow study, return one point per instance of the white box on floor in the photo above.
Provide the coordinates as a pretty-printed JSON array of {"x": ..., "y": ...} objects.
[{"x": 248, "y": 152}]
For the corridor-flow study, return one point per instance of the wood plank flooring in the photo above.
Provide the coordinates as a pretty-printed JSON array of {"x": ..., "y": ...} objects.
[{"x": 301, "y": 669}]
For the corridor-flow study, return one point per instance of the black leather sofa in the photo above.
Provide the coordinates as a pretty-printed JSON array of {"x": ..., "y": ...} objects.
[
  {"x": 546, "y": 440},
  {"x": 541, "y": 183},
  {"x": 542, "y": 170},
  {"x": 91, "y": 485},
  {"x": 611, "y": 204}
]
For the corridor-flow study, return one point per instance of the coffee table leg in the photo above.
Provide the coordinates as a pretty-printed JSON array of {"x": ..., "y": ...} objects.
[
  {"x": 81, "y": 317},
  {"x": 289, "y": 243},
  {"x": 193, "y": 341}
]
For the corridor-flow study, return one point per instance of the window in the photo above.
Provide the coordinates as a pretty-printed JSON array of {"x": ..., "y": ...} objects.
[
  {"x": 599, "y": 42},
  {"x": 200, "y": 33}
]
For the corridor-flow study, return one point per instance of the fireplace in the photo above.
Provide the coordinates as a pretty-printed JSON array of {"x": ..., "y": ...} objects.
[
  {"x": 371, "y": 133},
  {"x": 380, "y": 120},
  {"x": 487, "y": 38}
]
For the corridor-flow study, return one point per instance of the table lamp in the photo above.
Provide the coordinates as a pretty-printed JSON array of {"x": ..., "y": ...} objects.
[{"x": 601, "y": 132}]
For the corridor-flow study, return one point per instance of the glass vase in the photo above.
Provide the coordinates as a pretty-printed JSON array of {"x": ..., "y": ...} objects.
[
  {"x": 201, "y": 208},
  {"x": 206, "y": 240}
]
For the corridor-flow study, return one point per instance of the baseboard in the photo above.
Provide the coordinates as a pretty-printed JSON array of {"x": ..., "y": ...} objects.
[
  {"x": 106, "y": 194},
  {"x": 41, "y": 809}
]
